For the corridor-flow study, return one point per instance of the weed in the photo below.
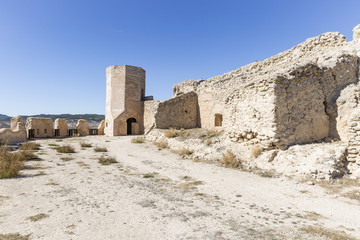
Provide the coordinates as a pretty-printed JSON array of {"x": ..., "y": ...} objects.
[
  {"x": 213, "y": 133},
  {"x": 266, "y": 173},
  {"x": 59, "y": 140},
  {"x": 256, "y": 150},
  {"x": 30, "y": 146},
  {"x": 100, "y": 149},
  {"x": 66, "y": 159},
  {"x": 161, "y": 144},
  {"x": 192, "y": 184},
  {"x": 53, "y": 144},
  {"x": 65, "y": 149},
  {"x": 37, "y": 217},
  {"x": 326, "y": 232},
  {"x": 107, "y": 141},
  {"x": 85, "y": 145},
  {"x": 229, "y": 160},
  {"x": 106, "y": 160},
  {"x": 171, "y": 133},
  {"x": 355, "y": 194},
  {"x": 185, "y": 152},
  {"x": 28, "y": 155},
  {"x": 208, "y": 141},
  {"x": 10, "y": 163},
  {"x": 149, "y": 175},
  {"x": 313, "y": 216},
  {"x": 14, "y": 236},
  {"x": 138, "y": 140}
]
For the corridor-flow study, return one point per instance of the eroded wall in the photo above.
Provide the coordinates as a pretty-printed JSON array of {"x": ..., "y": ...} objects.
[
  {"x": 43, "y": 127},
  {"x": 178, "y": 112},
  {"x": 62, "y": 126},
  {"x": 150, "y": 109},
  {"x": 15, "y": 134}
]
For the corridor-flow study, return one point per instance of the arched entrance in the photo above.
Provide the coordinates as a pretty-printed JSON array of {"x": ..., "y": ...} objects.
[{"x": 129, "y": 123}]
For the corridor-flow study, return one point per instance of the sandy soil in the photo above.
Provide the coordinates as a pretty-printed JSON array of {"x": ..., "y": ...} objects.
[{"x": 152, "y": 194}]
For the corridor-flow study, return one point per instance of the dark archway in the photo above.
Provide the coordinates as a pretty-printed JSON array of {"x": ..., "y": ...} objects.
[{"x": 129, "y": 123}]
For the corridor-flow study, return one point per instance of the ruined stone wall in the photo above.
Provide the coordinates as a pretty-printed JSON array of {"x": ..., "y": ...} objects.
[
  {"x": 150, "y": 109},
  {"x": 178, "y": 112},
  {"x": 15, "y": 134},
  {"x": 82, "y": 127},
  {"x": 62, "y": 126},
  {"x": 43, "y": 126}
]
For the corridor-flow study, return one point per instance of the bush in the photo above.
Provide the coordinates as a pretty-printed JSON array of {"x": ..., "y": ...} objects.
[
  {"x": 208, "y": 141},
  {"x": 85, "y": 145},
  {"x": 185, "y": 152},
  {"x": 107, "y": 160},
  {"x": 256, "y": 150},
  {"x": 229, "y": 160},
  {"x": 30, "y": 146},
  {"x": 65, "y": 149},
  {"x": 161, "y": 144},
  {"x": 171, "y": 133},
  {"x": 10, "y": 163},
  {"x": 138, "y": 140},
  {"x": 100, "y": 149},
  {"x": 28, "y": 155}
]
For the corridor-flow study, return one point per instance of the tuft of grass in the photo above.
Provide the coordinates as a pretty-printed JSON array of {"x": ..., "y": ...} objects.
[
  {"x": 107, "y": 141},
  {"x": 208, "y": 141},
  {"x": 28, "y": 155},
  {"x": 336, "y": 186},
  {"x": 100, "y": 149},
  {"x": 10, "y": 163},
  {"x": 30, "y": 146},
  {"x": 229, "y": 160},
  {"x": 149, "y": 175},
  {"x": 327, "y": 233},
  {"x": 85, "y": 145},
  {"x": 14, "y": 236},
  {"x": 138, "y": 140},
  {"x": 53, "y": 144},
  {"x": 191, "y": 184},
  {"x": 161, "y": 144},
  {"x": 65, "y": 149},
  {"x": 213, "y": 133},
  {"x": 185, "y": 152},
  {"x": 106, "y": 160},
  {"x": 314, "y": 216},
  {"x": 355, "y": 194},
  {"x": 37, "y": 217},
  {"x": 59, "y": 140},
  {"x": 256, "y": 150},
  {"x": 266, "y": 173},
  {"x": 66, "y": 159},
  {"x": 171, "y": 133}
]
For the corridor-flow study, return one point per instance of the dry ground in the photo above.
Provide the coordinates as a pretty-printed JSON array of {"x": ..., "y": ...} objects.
[{"x": 152, "y": 194}]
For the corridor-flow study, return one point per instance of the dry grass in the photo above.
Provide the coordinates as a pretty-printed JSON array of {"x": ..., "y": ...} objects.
[
  {"x": 28, "y": 155},
  {"x": 266, "y": 173},
  {"x": 326, "y": 233},
  {"x": 66, "y": 159},
  {"x": 171, "y": 133},
  {"x": 313, "y": 216},
  {"x": 30, "y": 146},
  {"x": 185, "y": 152},
  {"x": 256, "y": 150},
  {"x": 161, "y": 144},
  {"x": 138, "y": 140},
  {"x": 100, "y": 149},
  {"x": 191, "y": 184},
  {"x": 85, "y": 145},
  {"x": 106, "y": 160},
  {"x": 10, "y": 163},
  {"x": 37, "y": 217},
  {"x": 14, "y": 236},
  {"x": 53, "y": 144},
  {"x": 208, "y": 141},
  {"x": 213, "y": 133},
  {"x": 354, "y": 194},
  {"x": 229, "y": 160},
  {"x": 336, "y": 186},
  {"x": 65, "y": 149}
]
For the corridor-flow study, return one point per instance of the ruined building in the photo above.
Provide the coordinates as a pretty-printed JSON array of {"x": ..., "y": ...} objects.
[{"x": 306, "y": 94}]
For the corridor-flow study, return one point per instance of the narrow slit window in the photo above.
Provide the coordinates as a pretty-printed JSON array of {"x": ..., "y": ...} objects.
[{"x": 218, "y": 120}]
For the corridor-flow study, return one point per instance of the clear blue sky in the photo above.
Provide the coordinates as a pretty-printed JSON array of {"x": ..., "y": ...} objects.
[{"x": 53, "y": 53}]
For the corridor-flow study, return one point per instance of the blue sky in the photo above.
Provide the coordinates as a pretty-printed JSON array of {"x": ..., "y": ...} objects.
[{"x": 53, "y": 53}]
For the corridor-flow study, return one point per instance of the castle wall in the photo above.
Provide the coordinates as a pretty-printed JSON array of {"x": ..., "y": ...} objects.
[
  {"x": 43, "y": 126},
  {"x": 15, "y": 134},
  {"x": 150, "y": 109},
  {"x": 62, "y": 126},
  {"x": 178, "y": 112},
  {"x": 82, "y": 127}
]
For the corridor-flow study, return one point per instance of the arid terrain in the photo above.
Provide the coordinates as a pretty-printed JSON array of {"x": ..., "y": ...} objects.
[{"x": 156, "y": 194}]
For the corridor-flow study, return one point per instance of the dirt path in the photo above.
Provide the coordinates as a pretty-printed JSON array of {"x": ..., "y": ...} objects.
[{"x": 152, "y": 194}]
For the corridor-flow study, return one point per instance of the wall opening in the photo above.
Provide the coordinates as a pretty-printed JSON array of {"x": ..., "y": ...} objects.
[
  {"x": 57, "y": 133},
  {"x": 129, "y": 123},
  {"x": 142, "y": 95},
  {"x": 107, "y": 124},
  {"x": 45, "y": 131},
  {"x": 31, "y": 133},
  {"x": 218, "y": 120}
]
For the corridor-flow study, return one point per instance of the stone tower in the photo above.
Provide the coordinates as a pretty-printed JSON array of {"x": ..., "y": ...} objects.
[{"x": 125, "y": 92}]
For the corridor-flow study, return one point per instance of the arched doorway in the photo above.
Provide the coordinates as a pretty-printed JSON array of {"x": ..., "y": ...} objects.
[{"x": 129, "y": 123}]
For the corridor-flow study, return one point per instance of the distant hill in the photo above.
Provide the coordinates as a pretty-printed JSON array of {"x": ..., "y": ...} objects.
[{"x": 93, "y": 119}]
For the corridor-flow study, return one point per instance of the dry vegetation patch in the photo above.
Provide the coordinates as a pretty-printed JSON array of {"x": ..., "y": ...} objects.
[
  {"x": 37, "y": 217},
  {"x": 171, "y": 133},
  {"x": 106, "y": 160},
  {"x": 10, "y": 163},
  {"x": 100, "y": 149},
  {"x": 185, "y": 152},
  {"x": 85, "y": 145},
  {"x": 229, "y": 160},
  {"x": 161, "y": 144},
  {"x": 256, "y": 150},
  {"x": 138, "y": 140},
  {"x": 66, "y": 159},
  {"x": 65, "y": 149},
  {"x": 14, "y": 236},
  {"x": 327, "y": 233},
  {"x": 30, "y": 146},
  {"x": 354, "y": 194}
]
